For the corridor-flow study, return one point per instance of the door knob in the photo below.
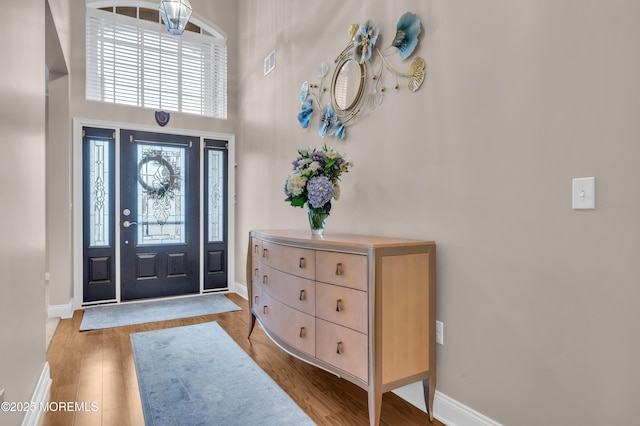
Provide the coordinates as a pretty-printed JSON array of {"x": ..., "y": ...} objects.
[{"x": 127, "y": 224}]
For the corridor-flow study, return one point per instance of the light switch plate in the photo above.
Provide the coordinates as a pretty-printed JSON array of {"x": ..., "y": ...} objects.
[{"x": 584, "y": 193}]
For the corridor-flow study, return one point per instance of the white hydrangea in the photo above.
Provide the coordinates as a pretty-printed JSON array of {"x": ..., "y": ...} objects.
[
  {"x": 302, "y": 163},
  {"x": 296, "y": 184},
  {"x": 314, "y": 166}
]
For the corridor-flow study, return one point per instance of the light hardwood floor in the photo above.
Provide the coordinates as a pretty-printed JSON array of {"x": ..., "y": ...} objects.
[{"x": 97, "y": 366}]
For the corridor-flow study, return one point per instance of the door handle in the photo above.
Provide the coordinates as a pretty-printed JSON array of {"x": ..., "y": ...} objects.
[{"x": 127, "y": 224}]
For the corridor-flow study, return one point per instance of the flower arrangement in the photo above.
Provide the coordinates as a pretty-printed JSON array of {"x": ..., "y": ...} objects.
[{"x": 314, "y": 182}]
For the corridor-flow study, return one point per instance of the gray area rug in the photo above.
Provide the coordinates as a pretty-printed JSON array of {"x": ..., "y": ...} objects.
[
  {"x": 161, "y": 310},
  {"x": 197, "y": 375}
]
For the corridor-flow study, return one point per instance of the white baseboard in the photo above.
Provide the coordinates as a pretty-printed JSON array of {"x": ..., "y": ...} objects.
[
  {"x": 453, "y": 413},
  {"x": 445, "y": 409},
  {"x": 39, "y": 398},
  {"x": 240, "y": 289},
  {"x": 61, "y": 311}
]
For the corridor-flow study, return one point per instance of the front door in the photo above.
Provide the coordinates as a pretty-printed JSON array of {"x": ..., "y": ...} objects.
[{"x": 159, "y": 212}]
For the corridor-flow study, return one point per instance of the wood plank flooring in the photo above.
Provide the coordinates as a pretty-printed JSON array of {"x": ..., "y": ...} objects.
[{"x": 97, "y": 367}]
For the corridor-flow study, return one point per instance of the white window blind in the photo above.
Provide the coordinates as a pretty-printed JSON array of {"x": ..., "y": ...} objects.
[{"x": 136, "y": 62}]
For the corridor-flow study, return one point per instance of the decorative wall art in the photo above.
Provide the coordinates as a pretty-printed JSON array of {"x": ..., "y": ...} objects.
[
  {"x": 162, "y": 118},
  {"x": 349, "y": 89}
]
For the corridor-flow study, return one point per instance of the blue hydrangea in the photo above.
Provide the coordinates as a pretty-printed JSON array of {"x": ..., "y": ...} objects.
[
  {"x": 319, "y": 156},
  {"x": 320, "y": 191}
]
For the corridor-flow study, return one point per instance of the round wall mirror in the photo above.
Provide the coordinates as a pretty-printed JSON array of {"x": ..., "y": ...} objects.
[{"x": 347, "y": 85}]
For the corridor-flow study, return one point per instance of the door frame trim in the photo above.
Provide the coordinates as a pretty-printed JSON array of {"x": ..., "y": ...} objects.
[{"x": 78, "y": 124}]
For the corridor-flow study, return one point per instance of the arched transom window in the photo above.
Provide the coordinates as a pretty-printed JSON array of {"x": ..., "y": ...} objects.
[{"x": 131, "y": 59}]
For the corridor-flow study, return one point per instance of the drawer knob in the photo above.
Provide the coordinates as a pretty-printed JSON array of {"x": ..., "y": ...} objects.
[
  {"x": 264, "y": 309},
  {"x": 255, "y": 300},
  {"x": 339, "y": 269},
  {"x": 264, "y": 252},
  {"x": 339, "y": 348},
  {"x": 255, "y": 273},
  {"x": 301, "y": 332},
  {"x": 302, "y": 294},
  {"x": 264, "y": 279},
  {"x": 255, "y": 249},
  {"x": 301, "y": 264},
  {"x": 338, "y": 305}
]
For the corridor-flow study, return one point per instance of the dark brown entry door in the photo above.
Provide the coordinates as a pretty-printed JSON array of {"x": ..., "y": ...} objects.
[{"x": 159, "y": 212}]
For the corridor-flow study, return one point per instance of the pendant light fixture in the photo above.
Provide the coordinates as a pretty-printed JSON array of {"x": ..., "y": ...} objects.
[{"x": 175, "y": 14}]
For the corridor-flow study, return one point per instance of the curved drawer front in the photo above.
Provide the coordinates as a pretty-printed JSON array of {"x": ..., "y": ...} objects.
[
  {"x": 295, "y": 327},
  {"x": 293, "y": 260},
  {"x": 299, "y": 293},
  {"x": 349, "y": 270},
  {"x": 256, "y": 271},
  {"x": 256, "y": 247},
  {"x": 256, "y": 297},
  {"x": 341, "y": 305},
  {"x": 343, "y": 348}
]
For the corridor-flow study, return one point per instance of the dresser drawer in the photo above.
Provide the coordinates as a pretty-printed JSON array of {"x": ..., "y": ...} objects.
[
  {"x": 342, "y": 347},
  {"x": 293, "y": 260},
  {"x": 256, "y": 271},
  {"x": 256, "y": 297},
  {"x": 256, "y": 247},
  {"x": 349, "y": 270},
  {"x": 295, "y": 327},
  {"x": 299, "y": 293},
  {"x": 341, "y": 305}
]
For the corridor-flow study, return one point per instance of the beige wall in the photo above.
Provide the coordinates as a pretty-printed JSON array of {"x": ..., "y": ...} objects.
[
  {"x": 22, "y": 202},
  {"x": 539, "y": 302}
]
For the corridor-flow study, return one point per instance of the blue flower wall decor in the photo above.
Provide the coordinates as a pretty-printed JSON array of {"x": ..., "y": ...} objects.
[
  {"x": 364, "y": 41},
  {"x": 349, "y": 89},
  {"x": 408, "y": 30}
]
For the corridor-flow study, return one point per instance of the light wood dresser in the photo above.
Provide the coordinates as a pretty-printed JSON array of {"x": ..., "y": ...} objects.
[{"x": 358, "y": 306}]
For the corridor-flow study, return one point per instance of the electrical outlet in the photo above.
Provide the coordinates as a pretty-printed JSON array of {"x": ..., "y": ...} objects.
[{"x": 439, "y": 332}]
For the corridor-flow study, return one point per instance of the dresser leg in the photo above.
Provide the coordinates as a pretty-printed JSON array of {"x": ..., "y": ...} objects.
[
  {"x": 429, "y": 393},
  {"x": 252, "y": 323},
  {"x": 375, "y": 404}
]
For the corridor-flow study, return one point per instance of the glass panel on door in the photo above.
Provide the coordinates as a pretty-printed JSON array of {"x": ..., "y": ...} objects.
[
  {"x": 161, "y": 195},
  {"x": 215, "y": 193}
]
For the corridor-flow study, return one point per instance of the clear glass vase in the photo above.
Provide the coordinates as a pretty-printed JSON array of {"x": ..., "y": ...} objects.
[{"x": 317, "y": 218}]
